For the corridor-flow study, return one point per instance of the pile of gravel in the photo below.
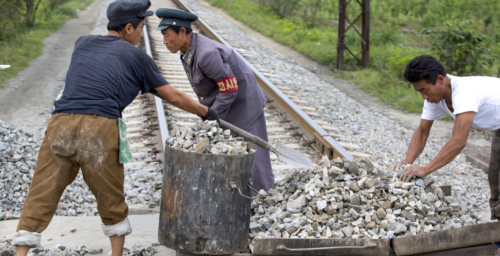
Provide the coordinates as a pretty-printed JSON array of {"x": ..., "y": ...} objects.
[
  {"x": 207, "y": 137},
  {"x": 342, "y": 199}
]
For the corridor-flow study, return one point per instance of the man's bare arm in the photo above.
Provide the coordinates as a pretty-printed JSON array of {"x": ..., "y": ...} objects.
[
  {"x": 458, "y": 141},
  {"x": 417, "y": 144},
  {"x": 454, "y": 146},
  {"x": 180, "y": 99}
]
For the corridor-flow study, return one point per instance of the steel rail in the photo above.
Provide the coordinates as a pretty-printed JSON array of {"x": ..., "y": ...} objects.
[
  {"x": 324, "y": 142},
  {"x": 160, "y": 111}
]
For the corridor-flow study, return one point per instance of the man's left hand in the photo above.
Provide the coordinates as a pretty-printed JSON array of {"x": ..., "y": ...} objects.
[
  {"x": 211, "y": 115},
  {"x": 412, "y": 170}
]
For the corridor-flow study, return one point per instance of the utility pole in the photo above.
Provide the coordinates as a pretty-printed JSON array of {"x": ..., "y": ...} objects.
[{"x": 354, "y": 59}]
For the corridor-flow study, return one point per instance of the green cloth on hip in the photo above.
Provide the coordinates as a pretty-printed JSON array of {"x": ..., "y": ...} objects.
[{"x": 125, "y": 154}]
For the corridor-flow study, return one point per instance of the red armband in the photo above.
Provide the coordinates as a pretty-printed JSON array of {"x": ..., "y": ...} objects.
[{"x": 227, "y": 84}]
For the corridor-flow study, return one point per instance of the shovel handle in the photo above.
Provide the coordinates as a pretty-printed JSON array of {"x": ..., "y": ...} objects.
[{"x": 248, "y": 136}]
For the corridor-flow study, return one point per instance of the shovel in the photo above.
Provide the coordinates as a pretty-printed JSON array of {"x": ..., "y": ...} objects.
[{"x": 284, "y": 153}]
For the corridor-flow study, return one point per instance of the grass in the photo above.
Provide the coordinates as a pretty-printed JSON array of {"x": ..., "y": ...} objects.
[
  {"x": 394, "y": 40},
  {"x": 20, "y": 51}
]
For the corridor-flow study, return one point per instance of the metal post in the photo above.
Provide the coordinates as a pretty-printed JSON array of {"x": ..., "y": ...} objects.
[
  {"x": 341, "y": 37},
  {"x": 365, "y": 30},
  {"x": 365, "y": 35}
]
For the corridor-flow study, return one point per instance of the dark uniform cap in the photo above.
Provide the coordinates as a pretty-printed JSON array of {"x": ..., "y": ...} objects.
[
  {"x": 173, "y": 17},
  {"x": 126, "y": 9}
]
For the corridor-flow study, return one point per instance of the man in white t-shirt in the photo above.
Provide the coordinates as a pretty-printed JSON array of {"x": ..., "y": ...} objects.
[{"x": 471, "y": 101}]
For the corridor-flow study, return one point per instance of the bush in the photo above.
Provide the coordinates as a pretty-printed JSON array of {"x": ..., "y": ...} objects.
[
  {"x": 10, "y": 24},
  {"x": 66, "y": 10},
  {"x": 397, "y": 63},
  {"x": 385, "y": 36},
  {"x": 461, "y": 48},
  {"x": 282, "y": 8}
]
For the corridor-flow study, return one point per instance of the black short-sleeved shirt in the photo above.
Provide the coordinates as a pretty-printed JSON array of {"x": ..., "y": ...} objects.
[{"x": 106, "y": 74}]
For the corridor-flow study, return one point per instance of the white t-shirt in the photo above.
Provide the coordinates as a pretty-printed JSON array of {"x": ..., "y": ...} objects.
[{"x": 479, "y": 94}]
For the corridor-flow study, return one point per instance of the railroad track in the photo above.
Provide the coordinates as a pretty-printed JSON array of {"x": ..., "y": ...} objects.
[{"x": 290, "y": 119}]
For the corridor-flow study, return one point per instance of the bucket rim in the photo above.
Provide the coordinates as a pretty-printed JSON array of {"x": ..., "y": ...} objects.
[{"x": 203, "y": 154}]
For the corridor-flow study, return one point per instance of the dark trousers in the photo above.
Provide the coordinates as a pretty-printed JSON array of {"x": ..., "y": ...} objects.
[
  {"x": 494, "y": 176},
  {"x": 263, "y": 177}
]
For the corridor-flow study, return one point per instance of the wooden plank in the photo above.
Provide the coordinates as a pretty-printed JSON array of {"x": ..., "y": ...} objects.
[
  {"x": 330, "y": 128},
  {"x": 173, "y": 77},
  {"x": 303, "y": 102},
  {"x": 185, "y": 116},
  {"x": 359, "y": 154},
  {"x": 273, "y": 124},
  {"x": 133, "y": 123},
  {"x": 131, "y": 136},
  {"x": 312, "y": 114},
  {"x": 137, "y": 145},
  {"x": 135, "y": 129},
  {"x": 294, "y": 146},
  {"x": 275, "y": 129},
  {"x": 184, "y": 124},
  {"x": 132, "y": 107},
  {"x": 279, "y": 137},
  {"x": 305, "y": 108},
  {"x": 131, "y": 115},
  {"x": 349, "y": 145}
]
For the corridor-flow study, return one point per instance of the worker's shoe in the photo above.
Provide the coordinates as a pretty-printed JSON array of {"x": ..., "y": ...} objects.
[
  {"x": 23, "y": 237},
  {"x": 121, "y": 229}
]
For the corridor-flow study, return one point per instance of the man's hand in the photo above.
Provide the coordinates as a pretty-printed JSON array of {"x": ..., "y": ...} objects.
[
  {"x": 412, "y": 170},
  {"x": 211, "y": 115},
  {"x": 395, "y": 166}
]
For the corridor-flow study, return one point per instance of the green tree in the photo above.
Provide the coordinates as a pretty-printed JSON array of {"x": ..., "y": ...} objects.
[
  {"x": 282, "y": 8},
  {"x": 461, "y": 48},
  {"x": 310, "y": 9},
  {"x": 31, "y": 6},
  {"x": 10, "y": 19}
]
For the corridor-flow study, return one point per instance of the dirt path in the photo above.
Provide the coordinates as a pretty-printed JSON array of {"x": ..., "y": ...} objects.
[
  {"x": 441, "y": 130},
  {"x": 27, "y": 100}
]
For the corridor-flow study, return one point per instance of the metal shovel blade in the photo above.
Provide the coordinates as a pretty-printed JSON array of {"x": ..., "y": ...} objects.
[{"x": 293, "y": 157}]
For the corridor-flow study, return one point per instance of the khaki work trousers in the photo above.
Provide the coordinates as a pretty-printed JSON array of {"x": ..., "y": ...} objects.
[
  {"x": 494, "y": 176},
  {"x": 75, "y": 141}
]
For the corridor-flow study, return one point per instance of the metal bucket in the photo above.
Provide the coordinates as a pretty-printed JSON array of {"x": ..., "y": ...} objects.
[{"x": 202, "y": 211}]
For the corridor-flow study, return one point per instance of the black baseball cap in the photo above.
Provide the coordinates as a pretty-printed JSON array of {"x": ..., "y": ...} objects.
[
  {"x": 173, "y": 17},
  {"x": 126, "y": 9}
]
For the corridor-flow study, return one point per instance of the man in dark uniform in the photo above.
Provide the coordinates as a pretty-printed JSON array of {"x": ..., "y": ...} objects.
[
  {"x": 85, "y": 131},
  {"x": 222, "y": 81}
]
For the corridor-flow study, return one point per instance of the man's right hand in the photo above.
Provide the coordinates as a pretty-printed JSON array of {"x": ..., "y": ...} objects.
[{"x": 395, "y": 166}]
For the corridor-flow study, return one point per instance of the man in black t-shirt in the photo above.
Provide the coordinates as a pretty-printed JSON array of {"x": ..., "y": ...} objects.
[{"x": 106, "y": 73}]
